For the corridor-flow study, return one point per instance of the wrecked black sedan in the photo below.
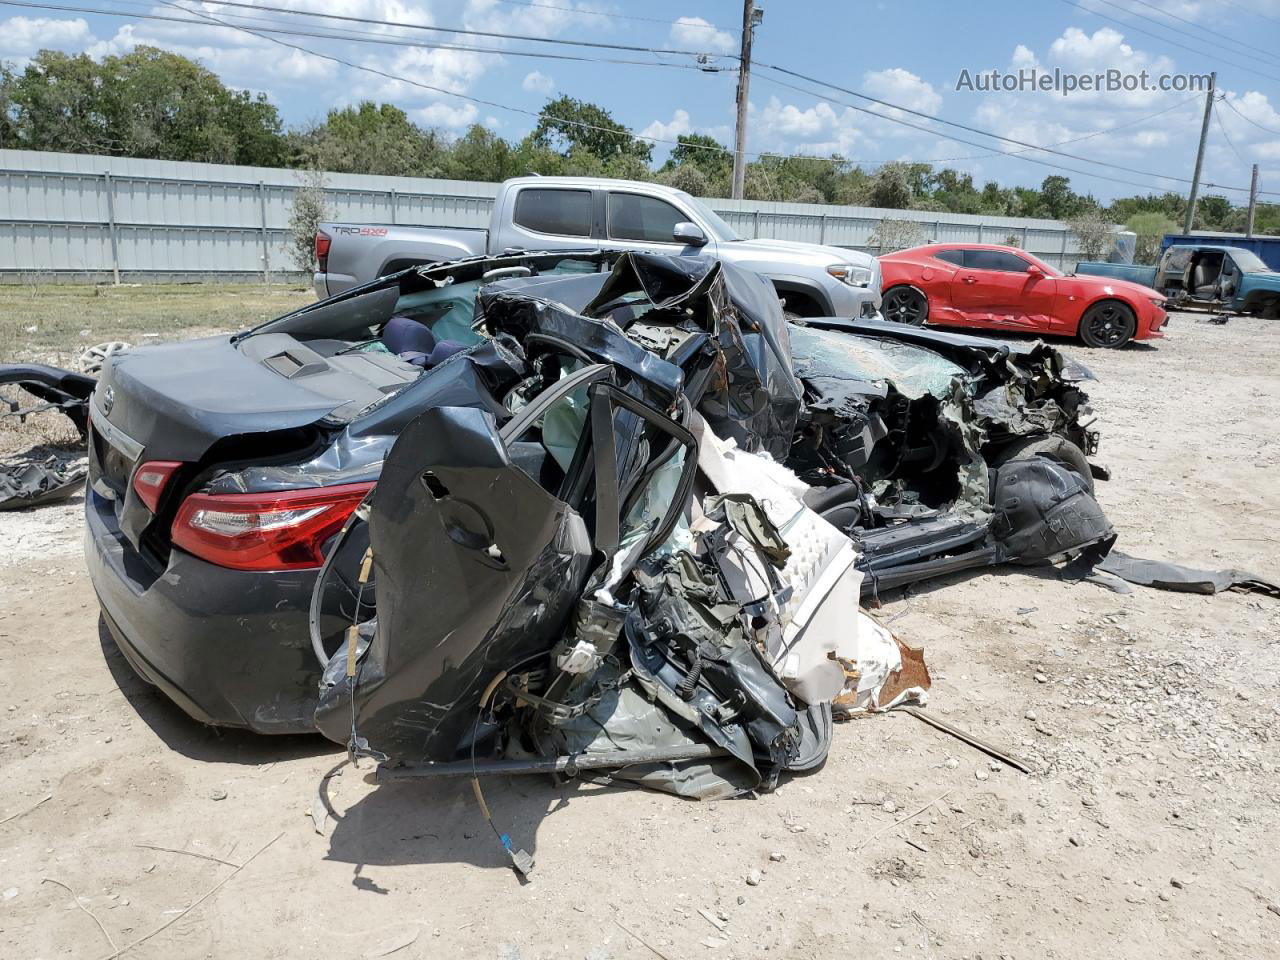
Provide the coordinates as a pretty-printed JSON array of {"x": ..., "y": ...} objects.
[
  {"x": 599, "y": 476},
  {"x": 627, "y": 576},
  {"x": 220, "y": 469}
]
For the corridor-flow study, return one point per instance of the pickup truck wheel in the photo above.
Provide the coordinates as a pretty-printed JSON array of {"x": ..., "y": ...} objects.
[
  {"x": 905, "y": 305},
  {"x": 1107, "y": 324},
  {"x": 1052, "y": 447}
]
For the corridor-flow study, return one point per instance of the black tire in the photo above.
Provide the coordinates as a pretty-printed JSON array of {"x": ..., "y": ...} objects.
[
  {"x": 905, "y": 305},
  {"x": 1053, "y": 448},
  {"x": 1109, "y": 324}
]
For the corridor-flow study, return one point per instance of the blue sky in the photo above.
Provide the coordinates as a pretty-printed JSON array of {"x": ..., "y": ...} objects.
[{"x": 909, "y": 52}]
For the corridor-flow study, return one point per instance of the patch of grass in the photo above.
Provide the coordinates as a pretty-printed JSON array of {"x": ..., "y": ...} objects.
[{"x": 52, "y": 323}]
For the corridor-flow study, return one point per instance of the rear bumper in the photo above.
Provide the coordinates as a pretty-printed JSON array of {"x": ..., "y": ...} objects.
[
  {"x": 230, "y": 648},
  {"x": 331, "y": 284}
]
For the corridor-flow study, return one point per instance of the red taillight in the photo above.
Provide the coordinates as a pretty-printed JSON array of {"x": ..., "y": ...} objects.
[
  {"x": 285, "y": 530},
  {"x": 322, "y": 250},
  {"x": 149, "y": 480}
]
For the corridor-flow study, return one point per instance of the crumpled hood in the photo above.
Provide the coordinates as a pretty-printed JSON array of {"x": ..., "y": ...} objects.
[{"x": 797, "y": 250}]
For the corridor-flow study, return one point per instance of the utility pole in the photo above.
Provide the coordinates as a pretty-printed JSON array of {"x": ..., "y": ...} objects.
[
  {"x": 1195, "y": 177},
  {"x": 751, "y": 15},
  {"x": 1253, "y": 202}
]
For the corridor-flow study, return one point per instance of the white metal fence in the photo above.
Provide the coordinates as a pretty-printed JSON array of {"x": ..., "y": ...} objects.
[{"x": 75, "y": 216}]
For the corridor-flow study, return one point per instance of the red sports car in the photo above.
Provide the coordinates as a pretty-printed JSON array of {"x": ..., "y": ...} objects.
[{"x": 1004, "y": 288}]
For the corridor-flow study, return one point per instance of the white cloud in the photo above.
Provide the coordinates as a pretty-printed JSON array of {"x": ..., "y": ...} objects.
[
  {"x": 1023, "y": 57},
  {"x": 538, "y": 82},
  {"x": 791, "y": 121},
  {"x": 1073, "y": 122},
  {"x": 21, "y": 37},
  {"x": 694, "y": 33},
  {"x": 679, "y": 124},
  {"x": 903, "y": 88},
  {"x": 442, "y": 114},
  {"x": 819, "y": 130}
]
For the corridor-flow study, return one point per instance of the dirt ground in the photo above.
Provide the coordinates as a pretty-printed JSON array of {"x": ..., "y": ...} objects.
[{"x": 1146, "y": 831}]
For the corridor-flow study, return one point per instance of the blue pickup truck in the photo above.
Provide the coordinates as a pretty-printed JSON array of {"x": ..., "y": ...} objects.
[{"x": 1204, "y": 275}]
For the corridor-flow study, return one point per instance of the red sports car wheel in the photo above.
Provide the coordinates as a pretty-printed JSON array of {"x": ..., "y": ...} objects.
[
  {"x": 905, "y": 305},
  {"x": 1107, "y": 324}
]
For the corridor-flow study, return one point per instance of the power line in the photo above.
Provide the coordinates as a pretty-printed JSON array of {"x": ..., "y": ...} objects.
[
  {"x": 580, "y": 124},
  {"x": 1204, "y": 29},
  {"x": 966, "y": 127},
  {"x": 972, "y": 143},
  {"x": 361, "y": 36},
  {"x": 1247, "y": 119},
  {"x": 1217, "y": 115},
  {"x": 1256, "y": 13},
  {"x": 501, "y": 106},
  {"x": 408, "y": 25},
  {"x": 367, "y": 37},
  {"x": 1130, "y": 26},
  {"x": 333, "y": 58},
  {"x": 1063, "y": 143},
  {"x": 616, "y": 16}
]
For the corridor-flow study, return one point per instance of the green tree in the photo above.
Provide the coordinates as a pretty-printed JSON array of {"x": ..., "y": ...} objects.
[
  {"x": 1150, "y": 227},
  {"x": 566, "y": 124},
  {"x": 1094, "y": 235},
  {"x": 146, "y": 103},
  {"x": 1172, "y": 205},
  {"x": 308, "y": 210},
  {"x": 159, "y": 104},
  {"x": 1059, "y": 202},
  {"x": 703, "y": 152},
  {"x": 891, "y": 186},
  {"x": 956, "y": 192},
  {"x": 8, "y": 129},
  {"x": 687, "y": 177},
  {"x": 1213, "y": 213},
  {"x": 480, "y": 154},
  {"x": 890, "y": 235},
  {"x": 57, "y": 105},
  {"x": 371, "y": 138}
]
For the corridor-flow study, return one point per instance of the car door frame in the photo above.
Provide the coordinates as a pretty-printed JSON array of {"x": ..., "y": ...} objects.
[
  {"x": 514, "y": 230},
  {"x": 670, "y": 248}
]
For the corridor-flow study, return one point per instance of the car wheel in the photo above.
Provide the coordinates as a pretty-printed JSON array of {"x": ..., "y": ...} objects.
[
  {"x": 1053, "y": 448},
  {"x": 905, "y": 305},
  {"x": 1107, "y": 324}
]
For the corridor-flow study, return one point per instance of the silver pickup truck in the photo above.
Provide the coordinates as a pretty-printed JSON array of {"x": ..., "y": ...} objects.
[{"x": 571, "y": 213}]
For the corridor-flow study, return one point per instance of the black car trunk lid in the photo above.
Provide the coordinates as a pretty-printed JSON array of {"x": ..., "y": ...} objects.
[{"x": 175, "y": 402}]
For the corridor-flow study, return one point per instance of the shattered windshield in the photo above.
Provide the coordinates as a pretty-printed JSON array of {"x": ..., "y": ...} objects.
[{"x": 914, "y": 371}]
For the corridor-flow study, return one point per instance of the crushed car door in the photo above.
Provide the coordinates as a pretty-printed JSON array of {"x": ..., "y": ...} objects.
[
  {"x": 995, "y": 288},
  {"x": 481, "y": 552}
]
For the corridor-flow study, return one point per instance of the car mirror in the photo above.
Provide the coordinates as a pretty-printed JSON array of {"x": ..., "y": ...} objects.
[
  {"x": 1034, "y": 270},
  {"x": 690, "y": 233}
]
